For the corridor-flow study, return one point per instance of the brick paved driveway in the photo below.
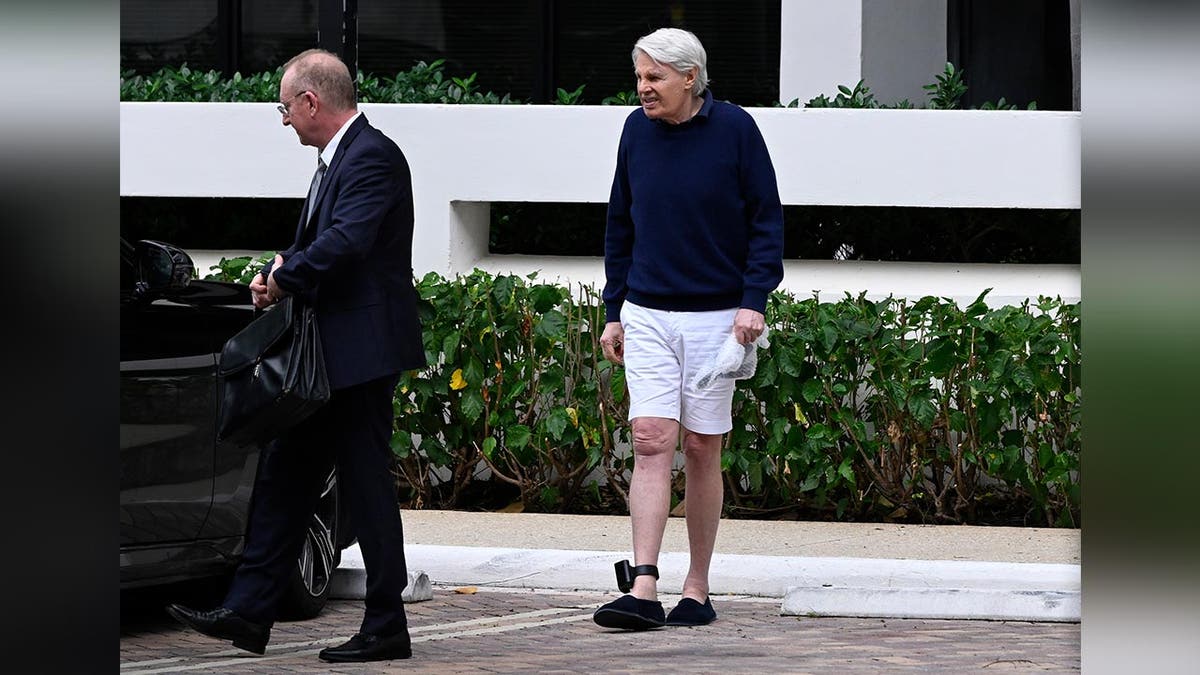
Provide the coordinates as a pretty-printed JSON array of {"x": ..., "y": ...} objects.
[{"x": 495, "y": 631}]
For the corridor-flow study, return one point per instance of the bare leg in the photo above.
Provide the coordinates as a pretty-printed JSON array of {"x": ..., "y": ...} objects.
[
  {"x": 702, "y": 503},
  {"x": 654, "y": 441}
]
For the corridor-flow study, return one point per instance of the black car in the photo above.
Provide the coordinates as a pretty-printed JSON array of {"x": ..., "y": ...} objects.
[{"x": 185, "y": 495}]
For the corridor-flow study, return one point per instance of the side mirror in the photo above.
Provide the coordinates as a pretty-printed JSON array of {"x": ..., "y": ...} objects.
[{"x": 162, "y": 267}]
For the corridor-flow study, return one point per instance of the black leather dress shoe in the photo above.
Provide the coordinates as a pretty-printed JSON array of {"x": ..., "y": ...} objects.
[
  {"x": 224, "y": 624},
  {"x": 364, "y": 647}
]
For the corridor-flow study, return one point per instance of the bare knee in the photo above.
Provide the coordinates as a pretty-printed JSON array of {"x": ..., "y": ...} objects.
[
  {"x": 701, "y": 449},
  {"x": 654, "y": 437}
]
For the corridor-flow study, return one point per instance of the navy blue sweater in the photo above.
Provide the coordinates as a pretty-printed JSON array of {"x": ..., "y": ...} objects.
[{"x": 694, "y": 220}]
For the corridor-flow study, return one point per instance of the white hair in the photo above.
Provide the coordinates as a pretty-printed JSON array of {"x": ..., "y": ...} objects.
[{"x": 679, "y": 49}]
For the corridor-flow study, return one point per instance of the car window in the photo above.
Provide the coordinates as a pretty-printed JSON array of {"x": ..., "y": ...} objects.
[{"x": 128, "y": 273}]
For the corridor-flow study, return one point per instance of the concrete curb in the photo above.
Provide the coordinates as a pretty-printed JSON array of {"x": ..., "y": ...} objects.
[
  {"x": 934, "y": 603},
  {"x": 806, "y": 585}
]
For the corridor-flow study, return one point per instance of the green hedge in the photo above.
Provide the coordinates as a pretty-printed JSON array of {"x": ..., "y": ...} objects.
[
  {"x": 423, "y": 83},
  {"x": 913, "y": 410},
  {"x": 428, "y": 83},
  {"x": 892, "y": 409},
  {"x": 868, "y": 410}
]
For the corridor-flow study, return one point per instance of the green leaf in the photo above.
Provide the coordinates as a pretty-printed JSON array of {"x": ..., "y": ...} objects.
[
  {"x": 550, "y": 497},
  {"x": 942, "y": 357},
  {"x": 998, "y": 361},
  {"x": 473, "y": 372},
  {"x": 829, "y": 337},
  {"x": 502, "y": 291},
  {"x": 401, "y": 443},
  {"x": 1023, "y": 378},
  {"x": 810, "y": 483},
  {"x": 557, "y": 423},
  {"x": 552, "y": 325},
  {"x": 618, "y": 385},
  {"x": 545, "y": 298},
  {"x": 1045, "y": 456},
  {"x": 923, "y": 410},
  {"x": 787, "y": 364},
  {"x": 846, "y": 470},
  {"x": 489, "y": 446},
  {"x": 518, "y": 436},
  {"x": 450, "y": 344},
  {"x": 472, "y": 405},
  {"x": 812, "y": 390}
]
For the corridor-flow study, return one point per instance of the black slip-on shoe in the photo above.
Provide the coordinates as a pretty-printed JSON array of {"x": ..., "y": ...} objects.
[
  {"x": 691, "y": 613},
  {"x": 630, "y": 613},
  {"x": 364, "y": 647},
  {"x": 224, "y": 624}
]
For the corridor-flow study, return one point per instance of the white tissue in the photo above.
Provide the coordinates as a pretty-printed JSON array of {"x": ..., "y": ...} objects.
[{"x": 732, "y": 361}]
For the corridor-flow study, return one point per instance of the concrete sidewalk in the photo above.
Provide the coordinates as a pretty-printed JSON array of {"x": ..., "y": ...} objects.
[{"x": 814, "y": 568}]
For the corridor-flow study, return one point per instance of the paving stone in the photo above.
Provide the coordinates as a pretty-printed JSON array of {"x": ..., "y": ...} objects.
[{"x": 549, "y": 632}]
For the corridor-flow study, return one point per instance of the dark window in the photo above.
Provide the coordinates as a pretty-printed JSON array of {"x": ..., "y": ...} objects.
[
  {"x": 274, "y": 31},
  {"x": 156, "y": 34},
  {"x": 914, "y": 234},
  {"x": 1019, "y": 49},
  {"x": 496, "y": 39},
  {"x": 212, "y": 222},
  {"x": 889, "y": 233},
  {"x": 541, "y": 228},
  {"x": 594, "y": 41},
  {"x": 526, "y": 48}
]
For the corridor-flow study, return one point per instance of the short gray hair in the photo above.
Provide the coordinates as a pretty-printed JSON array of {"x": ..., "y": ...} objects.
[
  {"x": 323, "y": 72},
  {"x": 679, "y": 49}
]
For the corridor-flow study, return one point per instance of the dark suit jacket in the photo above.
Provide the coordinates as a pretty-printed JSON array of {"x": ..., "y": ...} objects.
[{"x": 353, "y": 261}]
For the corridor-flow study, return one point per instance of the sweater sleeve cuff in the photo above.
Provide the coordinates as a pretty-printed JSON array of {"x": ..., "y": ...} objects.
[
  {"x": 612, "y": 311},
  {"x": 755, "y": 299}
]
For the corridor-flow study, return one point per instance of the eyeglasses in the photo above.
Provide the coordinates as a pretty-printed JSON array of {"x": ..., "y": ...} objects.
[{"x": 283, "y": 107}]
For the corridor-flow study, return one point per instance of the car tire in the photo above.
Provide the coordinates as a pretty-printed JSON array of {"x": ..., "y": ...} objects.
[{"x": 308, "y": 588}]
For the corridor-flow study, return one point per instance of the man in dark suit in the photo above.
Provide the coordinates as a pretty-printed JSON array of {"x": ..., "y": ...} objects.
[{"x": 352, "y": 262}]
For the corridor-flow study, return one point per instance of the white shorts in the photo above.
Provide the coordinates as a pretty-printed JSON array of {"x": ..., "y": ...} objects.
[{"x": 663, "y": 352}]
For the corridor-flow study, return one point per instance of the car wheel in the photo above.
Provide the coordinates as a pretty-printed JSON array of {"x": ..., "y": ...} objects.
[{"x": 308, "y": 589}]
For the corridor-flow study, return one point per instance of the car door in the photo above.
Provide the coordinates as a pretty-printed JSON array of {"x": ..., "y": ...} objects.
[{"x": 168, "y": 385}]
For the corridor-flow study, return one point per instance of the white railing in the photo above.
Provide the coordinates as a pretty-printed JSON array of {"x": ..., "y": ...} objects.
[{"x": 464, "y": 157}]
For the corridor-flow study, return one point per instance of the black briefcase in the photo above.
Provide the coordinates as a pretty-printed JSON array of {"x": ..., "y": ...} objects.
[{"x": 271, "y": 375}]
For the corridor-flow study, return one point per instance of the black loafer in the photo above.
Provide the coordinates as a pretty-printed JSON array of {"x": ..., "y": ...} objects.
[
  {"x": 691, "y": 613},
  {"x": 224, "y": 624},
  {"x": 363, "y": 647},
  {"x": 630, "y": 613}
]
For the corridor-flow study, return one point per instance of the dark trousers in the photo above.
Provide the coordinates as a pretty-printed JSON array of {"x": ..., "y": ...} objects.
[{"x": 354, "y": 431}]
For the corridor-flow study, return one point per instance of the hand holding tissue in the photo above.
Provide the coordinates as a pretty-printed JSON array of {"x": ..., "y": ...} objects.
[{"x": 732, "y": 361}]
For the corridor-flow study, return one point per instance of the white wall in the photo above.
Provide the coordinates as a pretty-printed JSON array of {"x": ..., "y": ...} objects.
[
  {"x": 903, "y": 47},
  {"x": 465, "y": 156},
  {"x": 820, "y": 47},
  {"x": 897, "y": 46}
]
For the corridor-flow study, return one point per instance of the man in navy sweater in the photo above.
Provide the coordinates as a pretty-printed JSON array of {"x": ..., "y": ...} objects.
[{"x": 693, "y": 247}]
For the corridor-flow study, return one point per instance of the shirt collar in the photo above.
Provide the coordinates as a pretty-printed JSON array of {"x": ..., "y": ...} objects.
[{"x": 331, "y": 147}]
